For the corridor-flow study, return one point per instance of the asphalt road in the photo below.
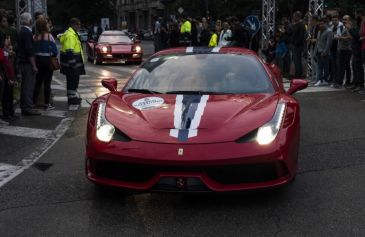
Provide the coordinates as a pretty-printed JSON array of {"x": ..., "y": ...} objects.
[{"x": 44, "y": 192}]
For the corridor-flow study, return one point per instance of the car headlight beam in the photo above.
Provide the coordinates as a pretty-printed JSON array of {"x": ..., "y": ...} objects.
[
  {"x": 138, "y": 49},
  {"x": 104, "y": 129},
  {"x": 104, "y": 49},
  {"x": 268, "y": 132}
]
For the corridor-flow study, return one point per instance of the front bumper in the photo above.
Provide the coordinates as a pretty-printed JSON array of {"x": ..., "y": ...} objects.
[
  {"x": 217, "y": 167},
  {"x": 120, "y": 57}
]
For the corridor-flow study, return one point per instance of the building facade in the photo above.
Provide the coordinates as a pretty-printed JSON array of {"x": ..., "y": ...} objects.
[{"x": 138, "y": 15}]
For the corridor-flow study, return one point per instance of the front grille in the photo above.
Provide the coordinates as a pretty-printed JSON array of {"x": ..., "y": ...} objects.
[
  {"x": 226, "y": 174},
  {"x": 248, "y": 173},
  {"x": 122, "y": 56}
]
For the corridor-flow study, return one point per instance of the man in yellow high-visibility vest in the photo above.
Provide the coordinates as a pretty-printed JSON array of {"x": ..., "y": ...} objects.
[
  {"x": 185, "y": 32},
  {"x": 72, "y": 60}
]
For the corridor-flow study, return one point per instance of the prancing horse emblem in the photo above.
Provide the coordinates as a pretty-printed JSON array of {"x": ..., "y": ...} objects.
[{"x": 180, "y": 152}]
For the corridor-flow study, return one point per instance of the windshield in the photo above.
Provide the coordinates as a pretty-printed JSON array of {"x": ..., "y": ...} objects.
[
  {"x": 204, "y": 73},
  {"x": 113, "y": 39}
]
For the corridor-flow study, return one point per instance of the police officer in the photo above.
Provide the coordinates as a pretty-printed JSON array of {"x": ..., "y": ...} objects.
[
  {"x": 72, "y": 60},
  {"x": 185, "y": 31}
]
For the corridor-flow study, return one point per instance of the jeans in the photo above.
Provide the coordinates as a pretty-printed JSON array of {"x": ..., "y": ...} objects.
[
  {"x": 27, "y": 88},
  {"x": 358, "y": 69},
  {"x": 344, "y": 58},
  {"x": 7, "y": 100},
  {"x": 72, "y": 84},
  {"x": 334, "y": 72},
  {"x": 323, "y": 67},
  {"x": 297, "y": 59},
  {"x": 44, "y": 77},
  {"x": 314, "y": 64}
]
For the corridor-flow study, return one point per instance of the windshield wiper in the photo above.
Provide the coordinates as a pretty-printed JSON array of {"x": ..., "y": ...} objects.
[
  {"x": 198, "y": 92},
  {"x": 143, "y": 91}
]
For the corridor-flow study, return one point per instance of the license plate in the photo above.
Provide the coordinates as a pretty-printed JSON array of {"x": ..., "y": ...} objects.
[{"x": 122, "y": 61}]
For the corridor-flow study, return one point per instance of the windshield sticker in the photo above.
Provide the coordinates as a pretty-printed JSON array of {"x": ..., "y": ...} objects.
[{"x": 148, "y": 103}]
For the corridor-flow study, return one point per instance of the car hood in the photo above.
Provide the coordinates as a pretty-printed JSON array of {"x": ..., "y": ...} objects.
[{"x": 189, "y": 118}]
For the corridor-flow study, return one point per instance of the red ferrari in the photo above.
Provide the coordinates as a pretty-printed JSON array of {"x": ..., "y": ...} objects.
[
  {"x": 114, "y": 47},
  {"x": 196, "y": 119}
]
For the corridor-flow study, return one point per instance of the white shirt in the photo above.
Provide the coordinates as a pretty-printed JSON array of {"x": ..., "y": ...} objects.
[{"x": 224, "y": 37}]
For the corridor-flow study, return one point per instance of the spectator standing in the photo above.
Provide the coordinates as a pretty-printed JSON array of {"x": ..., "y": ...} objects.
[
  {"x": 9, "y": 76},
  {"x": 344, "y": 55},
  {"x": 323, "y": 51},
  {"x": 357, "y": 64},
  {"x": 298, "y": 40},
  {"x": 361, "y": 13},
  {"x": 280, "y": 51},
  {"x": 240, "y": 36},
  {"x": 72, "y": 60},
  {"x": 213, "y": 42},
  {"x": 174, "y": 35},
  {"x": 27, "y": 64},
  {"x": 185, "y": 31},
  {"x": 337, "y": 28},
  {"x": 225, "y": 35},
  {"x": 311, "y": 46},
  {"x": 157, "y": 34},
  {"x": 12, "y": 32},
  {"x": 45, "y": 48},
  {"x": 205, "y": 33}
]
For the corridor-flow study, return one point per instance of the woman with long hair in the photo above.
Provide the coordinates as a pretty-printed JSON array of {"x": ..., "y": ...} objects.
[{"x": 45, "y": 48}]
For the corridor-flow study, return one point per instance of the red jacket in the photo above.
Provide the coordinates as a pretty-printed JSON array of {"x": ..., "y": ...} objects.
[{"x": 6, "y": 66}]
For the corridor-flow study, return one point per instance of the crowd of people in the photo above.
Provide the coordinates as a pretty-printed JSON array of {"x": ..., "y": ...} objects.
[
  {"x": 336, "y": 45},
  {"x": 204, "y": 31},
  {"x": 28, "y": 58}
]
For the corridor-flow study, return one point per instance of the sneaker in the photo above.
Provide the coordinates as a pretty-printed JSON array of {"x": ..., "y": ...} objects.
[
  {"x": 3, "y": 123},
  {"x": 337, "y": 86},
  {"x": 49, "y": 107},
  {"x": 362, "y": 92},
  {"x": 74, "y": 101},
  {"x": 352, "y": 87},
  {"x": 357, "y": 89},
  {"x": 325, "y": 83},
  {"x": 318, "y": 83}
]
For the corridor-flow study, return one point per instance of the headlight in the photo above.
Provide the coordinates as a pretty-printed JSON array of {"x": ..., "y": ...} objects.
[
  {"x": 268, "y": 132},
  {"x": 138, "y": 49},
  {"x": 104, "y": 129},
  {"x": 104, "y": 49}
]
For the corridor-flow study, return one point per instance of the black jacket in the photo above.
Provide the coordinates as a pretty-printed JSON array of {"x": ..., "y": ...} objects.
[{"x": 25, "y": 46}]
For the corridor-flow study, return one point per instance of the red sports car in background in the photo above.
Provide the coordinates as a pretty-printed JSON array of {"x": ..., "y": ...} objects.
[
  {"x": 114, "y": 47},
  {"x": 196, "y": 119}
]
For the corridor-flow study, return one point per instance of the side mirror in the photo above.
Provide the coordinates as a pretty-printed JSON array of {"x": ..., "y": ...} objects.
[
  {"x": 297, "y": 85},
  {"x": 111, "y": 84}
]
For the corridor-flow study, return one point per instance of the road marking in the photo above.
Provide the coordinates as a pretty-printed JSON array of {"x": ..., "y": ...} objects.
[
  {"x": 88, "y": 95},
  {"x": 59, "y": 82},
  {"x": 60, "y": 98},
  {"x": 28, "y": 161},
  {"x": 123, "y": 69},
  {"x": 58, "y": 87},
  {"x": 73, "y": 107},
  {"x": 104, "y": 73},
  {"x": 25, "y": 132}
]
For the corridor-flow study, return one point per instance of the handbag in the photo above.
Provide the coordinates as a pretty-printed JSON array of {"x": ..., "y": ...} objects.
[{"x": 54, "y": 63}]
